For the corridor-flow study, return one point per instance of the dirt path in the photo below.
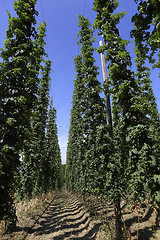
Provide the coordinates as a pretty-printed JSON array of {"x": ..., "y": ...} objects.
[
  {"x": 62, "y": 215},
  {"x": 65, "y": 219}
]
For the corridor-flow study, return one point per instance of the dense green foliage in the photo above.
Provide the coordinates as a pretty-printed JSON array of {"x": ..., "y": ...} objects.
[
  {"x": 134, "y": 109},
  {"x": 131, "y": 160},
  {"x": 74, "y": 148},
  {"x": 53, "y": 168},
  {"x": 146, "y": 37},
  {"x": 147, "y": 30},
  {"x": 88, "y": 146},
  {"x": 39, "y": 121},
  {"x": 134, "y": 106},
  {"x": 24, "y": 99},
  {"x": 119, "y": 160},
  {"x": 19, "y": 83},
  {"x": 63, "y": 173},
  {"x": 34, "y": 157},
  {"x": 123, "y": 88}
]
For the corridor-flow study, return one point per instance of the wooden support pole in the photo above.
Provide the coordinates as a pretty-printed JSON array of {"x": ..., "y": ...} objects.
[
  {"x": 108, "y": 96},
  {"x": 103, "y": 63},
  {"x": 117, "y": 208}
]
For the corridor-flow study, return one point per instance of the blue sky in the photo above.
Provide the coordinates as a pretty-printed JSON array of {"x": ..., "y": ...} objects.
[{"x": 62, "y": 27}]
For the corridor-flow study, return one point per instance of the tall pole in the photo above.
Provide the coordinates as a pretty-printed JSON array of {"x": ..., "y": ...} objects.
[
  {"x": 108, "y": 96},
  {"x": 117, "y": 208}
]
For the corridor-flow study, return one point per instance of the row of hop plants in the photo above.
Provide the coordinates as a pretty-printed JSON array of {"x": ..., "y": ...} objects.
[
  {"x": 30, "y": 161},
  {"x": 119, "y": 158}
]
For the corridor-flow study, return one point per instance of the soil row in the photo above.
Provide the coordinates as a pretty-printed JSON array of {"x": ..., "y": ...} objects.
[{"x": 64, "y": 215}]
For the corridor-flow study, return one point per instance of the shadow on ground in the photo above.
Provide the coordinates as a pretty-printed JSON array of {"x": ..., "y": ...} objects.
[{"x": 65, "y": 218}]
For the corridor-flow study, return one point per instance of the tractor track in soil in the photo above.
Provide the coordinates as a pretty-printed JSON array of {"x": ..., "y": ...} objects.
[
  {"x": 36, "y": 221},
  {"x": 64, "y": 218},
  {"x": 67, "y": 216}
]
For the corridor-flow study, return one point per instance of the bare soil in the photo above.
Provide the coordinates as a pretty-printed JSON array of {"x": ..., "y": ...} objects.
[
  {"x": 139, "y": 220},
  {"x": 65, "y": 219},
  {"x": 65, "y": 215}
]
